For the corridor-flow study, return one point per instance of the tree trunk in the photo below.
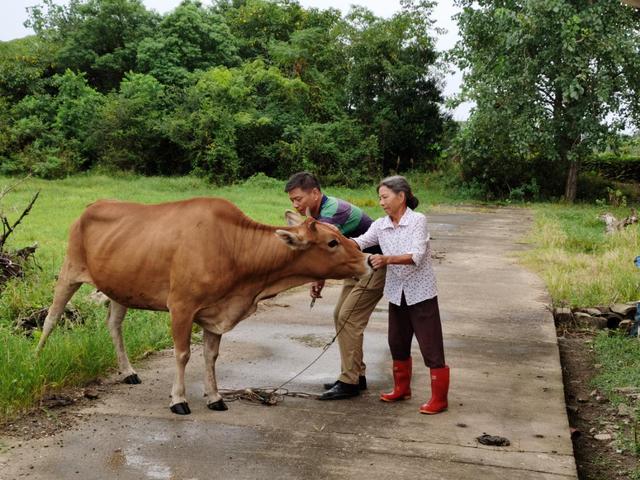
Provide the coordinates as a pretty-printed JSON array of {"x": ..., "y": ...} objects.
[
  {"x": 571, "y": 186},
  {"x": 564, "y": 144}
]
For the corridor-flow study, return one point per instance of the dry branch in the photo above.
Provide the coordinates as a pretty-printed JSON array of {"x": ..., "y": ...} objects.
[
  {"x": 612, "y": 224},
  {"x": 7, "y": 228}
]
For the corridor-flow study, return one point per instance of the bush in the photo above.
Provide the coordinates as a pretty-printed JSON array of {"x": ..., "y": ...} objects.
[
  {"x": 594, "y": 187},
  {"x": 340, "y": 152},
  {"x": 615, "y": 167}
]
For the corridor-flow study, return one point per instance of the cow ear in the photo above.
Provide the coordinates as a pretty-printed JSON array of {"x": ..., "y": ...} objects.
[
  {"x": 293, "y": 218},
  {"x": 312, "y": 225},
  {"x": 293, "y": 240}
]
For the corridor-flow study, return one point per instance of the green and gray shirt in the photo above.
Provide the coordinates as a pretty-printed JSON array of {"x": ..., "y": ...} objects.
[{"x": 350, "y": 220}]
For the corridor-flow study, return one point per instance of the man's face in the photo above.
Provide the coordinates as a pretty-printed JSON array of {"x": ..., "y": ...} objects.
[{"x": 301, "y": 199}]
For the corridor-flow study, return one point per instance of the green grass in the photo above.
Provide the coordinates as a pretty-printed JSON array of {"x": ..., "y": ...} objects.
[
  {"x": 77, "y": 355},
  {"x": 579, "y": 263}
]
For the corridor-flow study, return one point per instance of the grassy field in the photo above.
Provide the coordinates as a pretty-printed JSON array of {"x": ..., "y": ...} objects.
[
  {"x": 80, "y": 353},
  {"x": 579, "y": 263}
]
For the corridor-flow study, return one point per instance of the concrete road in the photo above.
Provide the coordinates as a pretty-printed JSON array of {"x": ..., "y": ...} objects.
[{"x": 505, "y": 380}]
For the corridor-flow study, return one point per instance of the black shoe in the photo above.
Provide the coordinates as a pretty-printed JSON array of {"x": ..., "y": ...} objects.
[
  {"x": 362, "y": 383},
  {"x": 339, "y": 391}
]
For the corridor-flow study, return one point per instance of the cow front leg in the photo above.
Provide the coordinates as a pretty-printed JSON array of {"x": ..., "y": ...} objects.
[
  {"x": 115, "y": 318},
  {"x": 210, "y": 354},
  {"x": 181, "y": 322}
]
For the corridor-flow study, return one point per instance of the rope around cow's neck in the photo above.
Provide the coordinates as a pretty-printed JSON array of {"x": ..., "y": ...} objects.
[{"x": 271, "y": 395}]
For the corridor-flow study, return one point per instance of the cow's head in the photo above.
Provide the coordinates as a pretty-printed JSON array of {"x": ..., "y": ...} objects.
[{"x": 325, "y": 252}]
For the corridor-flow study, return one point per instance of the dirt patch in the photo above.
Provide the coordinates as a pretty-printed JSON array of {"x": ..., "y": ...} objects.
[
  {"x": 594, "y": 420},
  {"x": 57, "y": 412}
]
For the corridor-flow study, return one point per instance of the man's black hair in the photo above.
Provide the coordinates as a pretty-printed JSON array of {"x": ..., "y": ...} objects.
[{"x": 303, "y": 180}]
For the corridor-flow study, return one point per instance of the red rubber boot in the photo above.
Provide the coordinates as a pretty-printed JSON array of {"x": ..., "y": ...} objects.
[
  {"x": 439, "y": 391},
  {"x": 401, "y": 382}
]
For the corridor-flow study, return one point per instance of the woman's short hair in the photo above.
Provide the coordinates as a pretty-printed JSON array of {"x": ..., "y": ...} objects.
[{"x": 397, "y": 184}]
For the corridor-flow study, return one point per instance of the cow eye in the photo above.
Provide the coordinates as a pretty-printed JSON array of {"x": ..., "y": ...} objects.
[{"x": 333, "y": 243}]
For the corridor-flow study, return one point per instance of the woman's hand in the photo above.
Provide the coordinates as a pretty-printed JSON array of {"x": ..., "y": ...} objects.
[{"x": 378, "y": 261}]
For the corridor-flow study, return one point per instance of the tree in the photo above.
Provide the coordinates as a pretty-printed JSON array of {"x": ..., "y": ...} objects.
[
  {"x": 393, "y": 85},
  {"x": 50, "y": 134},
  {"x": 98, "y": 37},
  {"x": 189, "y": 38},
  {"x": 562, "y": 75},
  {"x": 130, "y": 132},
  {"x": 23, "y": 63},
  {"x": 237, "y": 122},
  {"x": 256, "y": 23}
]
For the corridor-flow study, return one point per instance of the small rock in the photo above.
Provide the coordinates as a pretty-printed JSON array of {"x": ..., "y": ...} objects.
[
  {"x": 601, "y": 399},
  {"x": 623, "y": 309},
  {"x": 592, "y": 311},
  {"x": 625, "y": 325},
  {"x": 98, "y": 298},
  {"x": 625, "y": 410},
  {"x": 587, "y": 321},
  {"x": 91, "y": 394},
  {"x": 603, "y": 437},
  {"x": 562, "y": 316},
  {"x": 593, "y": 393},
  {"x": 582, "y": 400}
]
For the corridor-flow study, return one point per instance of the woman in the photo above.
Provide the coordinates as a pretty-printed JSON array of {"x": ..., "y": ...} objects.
[{"x": 411, "y": 289}]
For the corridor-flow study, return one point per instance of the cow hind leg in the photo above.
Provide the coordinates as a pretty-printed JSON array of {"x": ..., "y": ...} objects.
[
  {"x": 181, "y": 322},
  {"x": 63, "y": 292},
  {"x": 210, "y": 353},
  {"x": 115, "y": 318}
]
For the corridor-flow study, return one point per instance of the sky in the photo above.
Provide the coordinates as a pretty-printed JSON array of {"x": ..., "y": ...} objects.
[{"x": 13, "y": 14}]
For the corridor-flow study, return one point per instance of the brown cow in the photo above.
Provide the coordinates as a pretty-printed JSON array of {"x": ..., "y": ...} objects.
[{"x": 202, "y": 260}]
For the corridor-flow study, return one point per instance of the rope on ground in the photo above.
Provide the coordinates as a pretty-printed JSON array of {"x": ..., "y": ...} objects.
[
  {"x": 272, "y": 395},
  {"x": 263, "y": 395}
]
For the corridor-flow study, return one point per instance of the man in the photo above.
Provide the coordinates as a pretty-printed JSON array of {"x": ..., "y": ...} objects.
[{"x": 358, "y": 297}]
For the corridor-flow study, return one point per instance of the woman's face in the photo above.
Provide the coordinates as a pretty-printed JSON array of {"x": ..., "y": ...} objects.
[{"x": 390, "y": 202}]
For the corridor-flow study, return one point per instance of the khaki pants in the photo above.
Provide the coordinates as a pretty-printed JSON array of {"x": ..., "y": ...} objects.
[{"x": 355, "y": 305}]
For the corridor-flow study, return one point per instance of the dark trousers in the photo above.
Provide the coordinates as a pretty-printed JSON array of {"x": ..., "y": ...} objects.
[{"x": 423, "y": 320}]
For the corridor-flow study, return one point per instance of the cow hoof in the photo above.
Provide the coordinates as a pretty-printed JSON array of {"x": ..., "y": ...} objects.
[
  {"x": 218, "y": 406},
  {"x": 181, "y": 408},
  {"x": 133, "y": 379}
]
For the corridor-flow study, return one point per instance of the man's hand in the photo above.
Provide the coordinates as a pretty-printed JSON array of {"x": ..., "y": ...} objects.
[{"x": 316, "y": 289}]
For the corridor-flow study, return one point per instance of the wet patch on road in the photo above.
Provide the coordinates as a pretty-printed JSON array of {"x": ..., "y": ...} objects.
[{"x": 312, "y": 340}]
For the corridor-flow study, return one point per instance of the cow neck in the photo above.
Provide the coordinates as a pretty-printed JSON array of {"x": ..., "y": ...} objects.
[{"x": 268, "y": 254}]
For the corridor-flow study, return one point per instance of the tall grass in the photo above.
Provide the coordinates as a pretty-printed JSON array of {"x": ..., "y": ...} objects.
[{"x": 579, "y": 263}]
